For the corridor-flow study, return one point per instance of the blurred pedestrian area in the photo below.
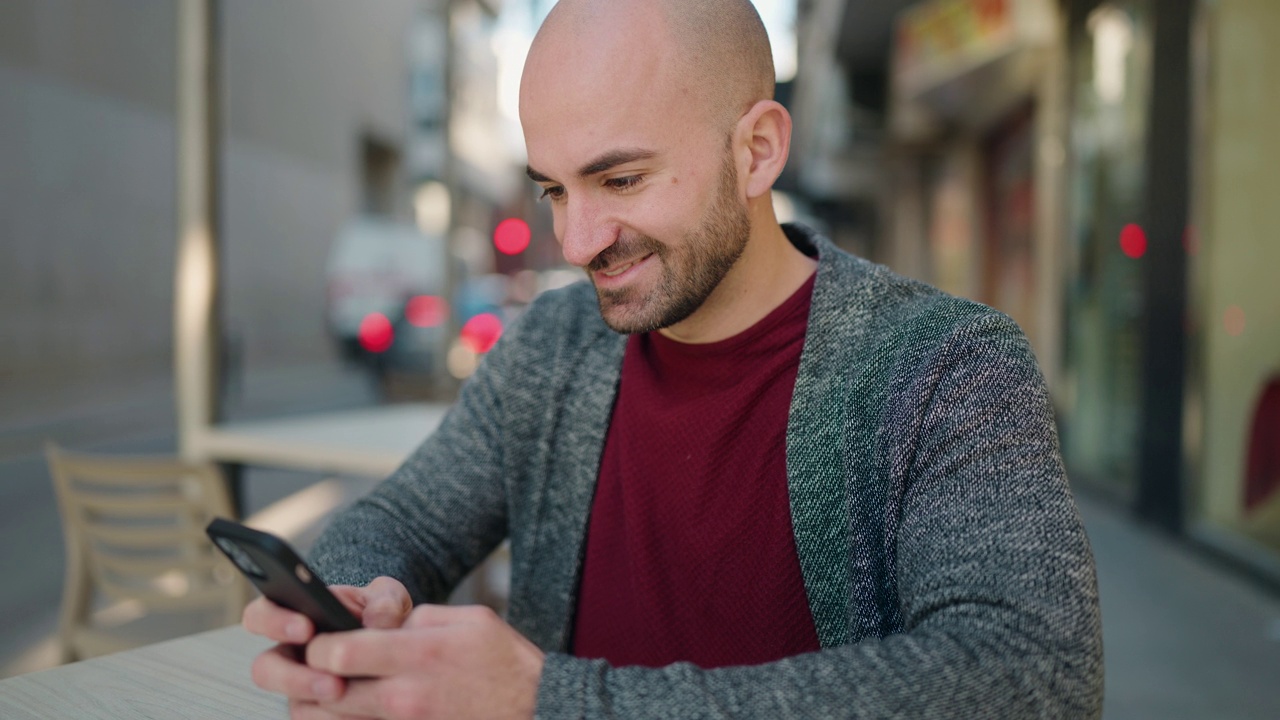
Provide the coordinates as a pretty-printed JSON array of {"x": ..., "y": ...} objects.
[{"x": 272, "y": 241}]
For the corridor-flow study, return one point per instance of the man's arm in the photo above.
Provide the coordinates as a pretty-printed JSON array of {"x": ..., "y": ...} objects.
[
  {"x": 995, "y": 578},
  {"x": 442, "y": 512}
]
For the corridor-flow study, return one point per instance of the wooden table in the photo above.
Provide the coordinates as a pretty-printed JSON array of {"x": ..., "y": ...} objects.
[{"x": 202, "y": 677}]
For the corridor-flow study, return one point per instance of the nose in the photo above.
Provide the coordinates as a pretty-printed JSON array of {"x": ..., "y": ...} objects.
[{"x": 584, "y": 232}]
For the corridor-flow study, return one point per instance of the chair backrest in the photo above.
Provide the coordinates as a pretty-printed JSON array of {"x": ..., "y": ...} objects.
[{"x": 134, "y": 529}]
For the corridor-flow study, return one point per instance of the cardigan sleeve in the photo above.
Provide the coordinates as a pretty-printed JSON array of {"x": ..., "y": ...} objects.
[
  {"x": 996, "y": 581},
  {"x": 443, "y": 511}
]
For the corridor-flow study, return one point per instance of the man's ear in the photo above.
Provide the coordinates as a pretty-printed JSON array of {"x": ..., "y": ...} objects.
[{"x": 762, "y": 142}]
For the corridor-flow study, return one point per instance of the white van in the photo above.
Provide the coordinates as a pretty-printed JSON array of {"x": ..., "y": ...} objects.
[{"x": 384, "y": 298}]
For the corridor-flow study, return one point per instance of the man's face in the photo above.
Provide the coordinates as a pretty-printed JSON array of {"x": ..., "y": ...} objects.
[
  {"x": 642, "y": 185},
  {"x": 687, "y": 268}
]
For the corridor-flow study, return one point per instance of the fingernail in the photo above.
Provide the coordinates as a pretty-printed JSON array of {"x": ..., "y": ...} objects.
[
  {"x": 296, "y": 630},
  {"x": 324, "y": 688}
]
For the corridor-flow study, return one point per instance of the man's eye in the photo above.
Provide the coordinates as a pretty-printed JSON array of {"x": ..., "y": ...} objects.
[
  {"x": 624, "y": 183},
  {"x": 554, "y": 192}
]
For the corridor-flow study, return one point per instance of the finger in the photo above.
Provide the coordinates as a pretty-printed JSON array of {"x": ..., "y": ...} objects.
[
  {"x": 351, "y": 597},
  {"x": 383, "y": 603},
  {"x": 376, "y": 653},
  {"x": 278, "y": 670},
  {"x": 387, "y": 603},
  {"x": 437, "y": 616},
  {"x": 263, "y": 617},
  {"x": 384, "y": 697}
]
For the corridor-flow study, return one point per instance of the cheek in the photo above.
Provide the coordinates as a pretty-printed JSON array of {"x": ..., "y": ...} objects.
[{"x": 673, "y": 206}]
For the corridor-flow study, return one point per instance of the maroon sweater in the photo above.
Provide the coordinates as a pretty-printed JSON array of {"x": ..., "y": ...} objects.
[{"x": 690, "y": 554}]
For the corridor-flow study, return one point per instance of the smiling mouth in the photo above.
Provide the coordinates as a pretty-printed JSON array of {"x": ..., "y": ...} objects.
[{"x": 614, "y": 272}]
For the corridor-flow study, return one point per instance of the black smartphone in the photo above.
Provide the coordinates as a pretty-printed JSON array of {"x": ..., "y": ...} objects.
[{"x": 276, "y": 570}]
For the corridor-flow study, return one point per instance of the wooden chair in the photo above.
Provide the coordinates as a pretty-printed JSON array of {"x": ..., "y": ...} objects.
[{"x": 134, "y": 530}]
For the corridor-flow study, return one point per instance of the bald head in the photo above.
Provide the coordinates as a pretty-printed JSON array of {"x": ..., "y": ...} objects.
[
  {"x": 651, "y": 128},
  {"x": 716, "y": 50}
]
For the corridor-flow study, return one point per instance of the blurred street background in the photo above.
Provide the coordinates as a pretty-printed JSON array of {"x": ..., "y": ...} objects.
[{"x": 317, "y": 211}]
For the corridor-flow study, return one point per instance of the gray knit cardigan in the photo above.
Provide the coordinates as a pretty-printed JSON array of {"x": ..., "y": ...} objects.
[{"x": 943, "y": 556}]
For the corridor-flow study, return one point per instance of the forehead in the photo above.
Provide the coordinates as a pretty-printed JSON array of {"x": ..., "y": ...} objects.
[{"x": 587, "y": 91}]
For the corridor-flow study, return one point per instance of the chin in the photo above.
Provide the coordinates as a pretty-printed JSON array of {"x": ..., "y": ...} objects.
[
  {"x": 627, "y": 321},
  {"x": 642, "y": 317}
]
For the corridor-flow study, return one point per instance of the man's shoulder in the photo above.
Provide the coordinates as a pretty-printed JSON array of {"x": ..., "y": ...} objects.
[
  {"x": 856, "y": 294},
  {"x": 564, "y": 315}
]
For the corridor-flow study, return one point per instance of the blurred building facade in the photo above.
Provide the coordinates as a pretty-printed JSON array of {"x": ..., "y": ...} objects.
[
  {"x": 1104, "y": 172},
  {"x": 314, "y": 116},
  {"x": 330, "y": 111},
  {"x": 1232, "y": 420}
]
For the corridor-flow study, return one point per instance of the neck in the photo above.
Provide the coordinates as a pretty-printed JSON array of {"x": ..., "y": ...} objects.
[{"x": 769, "y": 271}]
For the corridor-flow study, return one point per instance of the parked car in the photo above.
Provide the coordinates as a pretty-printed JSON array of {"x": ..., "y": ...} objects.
[{"x": 385, "y": 304}]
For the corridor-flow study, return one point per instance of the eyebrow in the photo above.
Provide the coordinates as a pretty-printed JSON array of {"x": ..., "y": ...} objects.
[{"x": 604, "y": 163}]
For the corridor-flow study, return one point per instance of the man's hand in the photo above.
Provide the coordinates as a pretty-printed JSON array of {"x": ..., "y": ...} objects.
[
  {"x": 444, "y": 662},
  {"x": 383, "y": 603}
]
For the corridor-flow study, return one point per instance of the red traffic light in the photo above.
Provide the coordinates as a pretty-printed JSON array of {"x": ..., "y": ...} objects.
[
  {"x": 376, "y": 333},
  {"x": 511, "y": 237},
  {"x": 481, "y": 332}
]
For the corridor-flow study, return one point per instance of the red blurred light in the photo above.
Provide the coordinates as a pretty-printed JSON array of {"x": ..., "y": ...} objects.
[
  {"x": 512, "y": 235},
  {"x": 376, "y": 333},
  {"x": 1133, "y": 240},
  {"x": 425, "y": 311},
  {"x": 1234, "y": 321},
  {"x": 1191, "y": 240},
  {"x": 481, "y": 332}
]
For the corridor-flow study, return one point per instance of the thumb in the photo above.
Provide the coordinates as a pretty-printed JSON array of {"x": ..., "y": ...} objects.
[
  {"x": 386, "y": 604},
  {"x": 437, "y": 616}
]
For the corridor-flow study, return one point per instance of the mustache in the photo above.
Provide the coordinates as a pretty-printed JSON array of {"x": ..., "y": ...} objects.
[{"x": 626, "y": 250}]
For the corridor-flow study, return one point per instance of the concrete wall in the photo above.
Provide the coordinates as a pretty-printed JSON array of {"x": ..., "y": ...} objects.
[
  {"x": 86, "y": 193},
  {"x": 304, "y": 81},
  {"x": 1239, "y": 251},
  {"x": 87, "y": 173}
]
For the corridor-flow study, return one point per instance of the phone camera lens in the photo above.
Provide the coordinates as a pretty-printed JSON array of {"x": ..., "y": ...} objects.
[{"x": 241, "y": 558}]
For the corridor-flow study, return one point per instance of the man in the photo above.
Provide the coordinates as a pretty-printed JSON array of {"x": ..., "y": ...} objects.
[{"x": 743, "y": 474}]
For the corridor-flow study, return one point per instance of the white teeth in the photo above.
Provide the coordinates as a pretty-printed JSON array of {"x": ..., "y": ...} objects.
[{"x": 618, "y": 271}]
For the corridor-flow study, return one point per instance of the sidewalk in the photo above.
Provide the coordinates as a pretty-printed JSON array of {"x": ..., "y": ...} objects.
[{"x": 1184, "y": 638}]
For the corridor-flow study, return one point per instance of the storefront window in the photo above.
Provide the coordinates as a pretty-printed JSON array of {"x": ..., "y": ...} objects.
[
  {"x": 1111, "y": 70},
  {"x": 1234, "y": 256}
]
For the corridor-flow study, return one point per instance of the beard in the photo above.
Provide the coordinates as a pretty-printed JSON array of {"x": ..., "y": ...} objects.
[{"x": 691, "y": 271}]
